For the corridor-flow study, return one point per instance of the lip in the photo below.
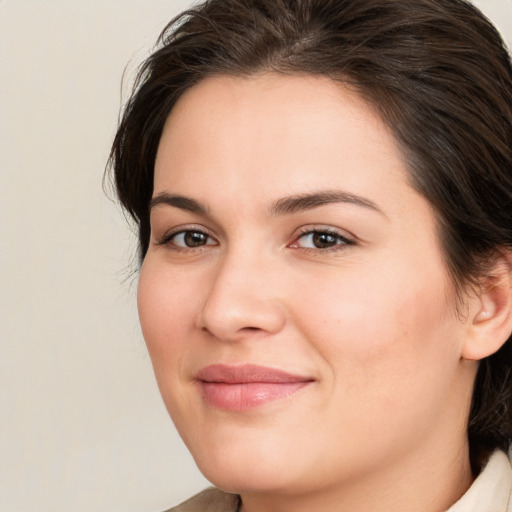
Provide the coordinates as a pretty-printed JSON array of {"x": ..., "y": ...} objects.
[{"x": 240, "y": 388}]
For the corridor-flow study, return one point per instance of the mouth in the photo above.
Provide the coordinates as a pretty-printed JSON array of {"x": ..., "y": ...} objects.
[{"x": 240, "y": 388}]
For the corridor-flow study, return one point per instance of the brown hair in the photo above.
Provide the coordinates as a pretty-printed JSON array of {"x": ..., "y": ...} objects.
[{"x": 436, "y": 70}]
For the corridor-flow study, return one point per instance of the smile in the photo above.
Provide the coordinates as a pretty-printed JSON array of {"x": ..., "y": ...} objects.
[{"x": 240, "y": 388}]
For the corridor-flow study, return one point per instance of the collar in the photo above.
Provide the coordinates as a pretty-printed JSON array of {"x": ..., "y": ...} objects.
[{"x": 492, "y": 489}]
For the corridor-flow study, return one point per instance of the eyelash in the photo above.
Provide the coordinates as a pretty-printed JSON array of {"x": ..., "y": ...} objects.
[
  {"x": 342, "y": 241},
  {"x": 167, "y": 239},
  {"x": 341, "y": 244}
]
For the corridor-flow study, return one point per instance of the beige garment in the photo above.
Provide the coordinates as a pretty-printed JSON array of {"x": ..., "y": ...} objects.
[
  {"x": 490, "y": 492},
  {"x": 210, "y": 500}
]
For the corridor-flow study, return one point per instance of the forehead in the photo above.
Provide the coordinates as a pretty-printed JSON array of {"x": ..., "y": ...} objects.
[{"x": 301, "y": 128}]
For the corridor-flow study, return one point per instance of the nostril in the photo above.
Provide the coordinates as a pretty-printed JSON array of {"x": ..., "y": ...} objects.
[{"x": 242, "y": 330}]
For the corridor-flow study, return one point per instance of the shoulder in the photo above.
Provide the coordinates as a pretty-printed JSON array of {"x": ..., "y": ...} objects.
[{"x": 209, "y": 500}]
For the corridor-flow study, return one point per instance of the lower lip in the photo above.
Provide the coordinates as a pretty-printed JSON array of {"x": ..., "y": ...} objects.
[{"x": 245, "y": 396}]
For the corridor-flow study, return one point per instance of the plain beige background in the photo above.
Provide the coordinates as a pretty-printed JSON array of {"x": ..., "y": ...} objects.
[{"x": 82, "y": 426}]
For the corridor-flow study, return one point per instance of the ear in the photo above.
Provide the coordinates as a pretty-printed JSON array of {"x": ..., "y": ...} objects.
[{"x": 490, "y": 321}]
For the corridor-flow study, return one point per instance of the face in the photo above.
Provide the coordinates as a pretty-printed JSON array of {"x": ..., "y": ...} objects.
[{"x": 294, "y": 298}]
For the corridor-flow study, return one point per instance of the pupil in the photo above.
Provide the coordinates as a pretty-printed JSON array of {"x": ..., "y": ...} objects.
[
  {"x": 194, "y": 239},
  {"x": 322, "y": 240}
]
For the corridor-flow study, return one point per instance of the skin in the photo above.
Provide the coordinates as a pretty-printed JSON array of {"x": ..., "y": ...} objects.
[{"x": 371, "y": 318}]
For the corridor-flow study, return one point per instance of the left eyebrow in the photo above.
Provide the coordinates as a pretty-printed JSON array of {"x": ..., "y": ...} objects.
[{"x": 301, "y": 202}]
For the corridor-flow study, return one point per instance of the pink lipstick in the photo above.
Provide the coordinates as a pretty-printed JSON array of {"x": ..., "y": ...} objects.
[{"x": 240, "y": 388}]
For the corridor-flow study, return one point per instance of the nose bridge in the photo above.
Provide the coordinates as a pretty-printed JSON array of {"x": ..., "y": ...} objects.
[{"x": 242, "y": 297}]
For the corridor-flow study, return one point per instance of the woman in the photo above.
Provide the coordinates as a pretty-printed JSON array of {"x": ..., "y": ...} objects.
[{"x": 323, "y": 192}]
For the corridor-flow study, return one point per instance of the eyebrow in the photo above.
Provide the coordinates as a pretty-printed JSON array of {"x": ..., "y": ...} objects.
[
  {"x": 182, "y": 202},
  {"x": 284, "y": 206},
  {"x": 302, "y": 202}
]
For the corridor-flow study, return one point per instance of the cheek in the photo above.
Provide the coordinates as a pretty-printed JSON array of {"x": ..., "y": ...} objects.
[
  {"x": 386, "y": 336},
  {"x": 391, "y": 356},
  {"x": 166, "y": 303}
]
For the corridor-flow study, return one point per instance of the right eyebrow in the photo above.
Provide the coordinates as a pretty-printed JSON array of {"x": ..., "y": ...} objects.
[{"x": 177, "y": 201}]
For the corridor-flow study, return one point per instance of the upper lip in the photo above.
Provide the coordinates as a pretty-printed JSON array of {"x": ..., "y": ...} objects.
[{"x": 247, "y": 373}]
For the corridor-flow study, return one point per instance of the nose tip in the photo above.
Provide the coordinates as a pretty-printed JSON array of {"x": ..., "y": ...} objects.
[{"x": 230, "y": 323}]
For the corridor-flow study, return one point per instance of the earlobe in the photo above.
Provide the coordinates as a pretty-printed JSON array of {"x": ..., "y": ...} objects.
[{"x": 491, "y": 322}]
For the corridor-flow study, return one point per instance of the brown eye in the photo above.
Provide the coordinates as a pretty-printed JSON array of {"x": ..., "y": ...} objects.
[
  {"x": 322, "y": 240},
  {"x": 191, "y": 239},
  {"x": 194, "y": 238}
]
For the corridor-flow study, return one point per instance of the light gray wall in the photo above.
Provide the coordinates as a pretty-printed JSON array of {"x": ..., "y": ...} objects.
[{"x": 82, "y": 426}]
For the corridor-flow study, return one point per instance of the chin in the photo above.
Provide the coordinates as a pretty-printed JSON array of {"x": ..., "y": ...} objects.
[
  {"x": 246, "y": 478},
  {"x": 245, "y": 470}
]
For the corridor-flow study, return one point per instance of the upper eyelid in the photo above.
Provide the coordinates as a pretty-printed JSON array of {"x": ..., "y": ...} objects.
[
  {"x": 167, "y": 235},
  {"x": 319, "y": 228},
  {"x": 160, "y": 218},
  {"x": 188, "y": 227},
  {"x": 169, "y": 215}
]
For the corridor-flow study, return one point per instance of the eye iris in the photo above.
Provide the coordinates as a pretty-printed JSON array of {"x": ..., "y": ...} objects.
[
  {"x": 323, "y": 240},
  {"x": 194, "y": 239}
]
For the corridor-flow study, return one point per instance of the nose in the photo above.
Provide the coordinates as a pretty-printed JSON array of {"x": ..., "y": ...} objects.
[{"x": 242, "y": 299}]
